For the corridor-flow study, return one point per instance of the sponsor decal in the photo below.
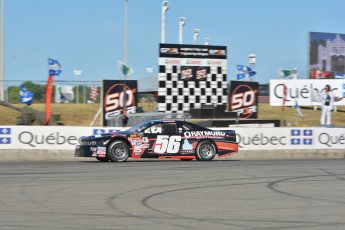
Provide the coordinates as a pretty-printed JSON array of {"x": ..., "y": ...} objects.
[
  {"x": 145, "y": 139},
  {"x": 225, "y": 146},
  {"x": 93, "y": 149},
  {"x": 193, "y": 61},
  {"x": 186, "y": 72},
  {"x": 218, "y": 52},
  {"x": 101, "y": 151},
  {"x": 186, "y": 145},
  {"x": 172, "y": 61},
  {"x": 169, "y": 50},
  {"x": 194, "y": 73},
  {"x": 203, "y": 134},
  {"x": 214, "y": 62}
]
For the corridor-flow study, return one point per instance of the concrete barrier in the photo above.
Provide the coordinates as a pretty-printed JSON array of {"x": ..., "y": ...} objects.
[{"x": 58, "y": 143}]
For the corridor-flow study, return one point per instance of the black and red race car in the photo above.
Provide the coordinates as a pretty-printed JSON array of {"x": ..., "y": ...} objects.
[{"x": 160, "y": 139}]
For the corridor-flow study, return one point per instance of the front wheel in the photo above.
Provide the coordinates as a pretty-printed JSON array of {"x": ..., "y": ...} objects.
[
  {"x": 118, "y": 151},
  {"x": 205, "y": 151}
]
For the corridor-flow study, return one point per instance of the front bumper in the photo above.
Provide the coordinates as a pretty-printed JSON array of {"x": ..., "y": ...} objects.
[{"x": 83, "y": 151}]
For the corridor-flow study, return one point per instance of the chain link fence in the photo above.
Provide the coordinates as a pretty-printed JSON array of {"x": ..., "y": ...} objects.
[{"x": 79, "y": 90}]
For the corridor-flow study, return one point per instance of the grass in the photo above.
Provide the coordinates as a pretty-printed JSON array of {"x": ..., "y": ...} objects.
[{"x": 83, "y": 114}]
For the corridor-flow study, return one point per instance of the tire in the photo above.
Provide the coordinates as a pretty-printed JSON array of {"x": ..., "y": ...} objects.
[
  {"x": 118, "y": 151},
  {"x": 205, "y": 151}
]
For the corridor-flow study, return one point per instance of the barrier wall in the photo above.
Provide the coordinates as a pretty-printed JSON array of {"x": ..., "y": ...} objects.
[{"x": 252, "y": 141}]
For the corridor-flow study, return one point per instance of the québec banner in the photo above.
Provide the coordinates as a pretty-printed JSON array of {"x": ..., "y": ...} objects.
[{"x": 306, "y": 92}]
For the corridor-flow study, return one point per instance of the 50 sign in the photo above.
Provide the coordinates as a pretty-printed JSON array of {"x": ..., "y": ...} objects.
[
  {"x": 117, "y": 95},
  {"x": 115, "y": 100},
  {"x": 166, "y": 144}
]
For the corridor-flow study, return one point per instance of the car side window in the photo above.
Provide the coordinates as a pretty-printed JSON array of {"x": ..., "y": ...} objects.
[
  {"x": 169, "y": 129},
  {"x": 154, "y": 129}
]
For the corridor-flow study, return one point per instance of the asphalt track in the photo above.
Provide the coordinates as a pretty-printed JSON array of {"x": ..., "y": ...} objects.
[{"x": 170, "y": 194}]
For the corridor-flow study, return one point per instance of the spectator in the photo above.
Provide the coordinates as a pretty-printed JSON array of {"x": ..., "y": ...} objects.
[{"x": 327, "y": 103}]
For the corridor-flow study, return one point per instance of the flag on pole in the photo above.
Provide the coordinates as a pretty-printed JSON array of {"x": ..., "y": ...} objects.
[
  {"x": 287, "y": 73},
  {"x": 124, "y": 68},
  {"x": 64, "y": 94},
  {"x": 284, "y": 96},
  {"x": 339, "y": 76},
  {"x": 318, "y": 74},
  {"x": 54, "y": 69},
  {"x": 244, "y": 72},
  {"x": 25, "y": 95},
  {"x": 94, "y": 93},
  {"x": 298, "y": 109}
]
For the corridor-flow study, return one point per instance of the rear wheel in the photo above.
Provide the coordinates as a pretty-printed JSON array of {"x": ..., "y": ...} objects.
[
  {"x": 118, "y": 151},
  {"x": 205, "y": 151}
]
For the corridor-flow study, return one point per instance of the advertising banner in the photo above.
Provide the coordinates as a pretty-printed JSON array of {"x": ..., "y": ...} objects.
[
  {"x": 67, "y": 137},
  {"x": 191, "y": 76},
  {"x": 305, "y": 92},
  {"x": 326, "y": 55},
  {"x": 243, "y": 98},
  {"x": 117, "y": 95}
]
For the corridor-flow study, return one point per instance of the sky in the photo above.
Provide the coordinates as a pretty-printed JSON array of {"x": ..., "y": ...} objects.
[{"x": 89, "y": 34}]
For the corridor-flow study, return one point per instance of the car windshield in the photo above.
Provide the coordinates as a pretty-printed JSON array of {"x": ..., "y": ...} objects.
[{"x": 140, "y": 127}]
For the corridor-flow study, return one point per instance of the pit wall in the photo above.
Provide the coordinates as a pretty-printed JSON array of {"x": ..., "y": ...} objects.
[{"x": 58, "y": 142}]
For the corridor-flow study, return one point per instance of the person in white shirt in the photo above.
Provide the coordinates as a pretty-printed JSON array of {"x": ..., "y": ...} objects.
[{"x": 327, "y": 102}]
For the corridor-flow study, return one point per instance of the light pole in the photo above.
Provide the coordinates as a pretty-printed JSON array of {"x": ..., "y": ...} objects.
[
  {"x": 126, "y": 34},
  {"x": 77, "y": 73},
  {"x": 2, "y": 66},
  {"x": 165, "y": 8},
  {"x": 196, "y": 35},
  {"x": 181, "y": 25},
  {"x": 252, "y": 62},
  {"x": 207, "y": 41}
]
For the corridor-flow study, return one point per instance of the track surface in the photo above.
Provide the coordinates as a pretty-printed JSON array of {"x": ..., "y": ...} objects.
[{"x": 284, "y": 194}]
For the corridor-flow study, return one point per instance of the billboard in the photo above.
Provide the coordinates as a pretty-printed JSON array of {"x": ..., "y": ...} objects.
[
  {"x": 118, "y": 94},
  {"x": 326, "y": 55},
  {"x": 191, "y": 76},
  {"x": 305, "y": 92},
  {"x": 243, "y": 98}
]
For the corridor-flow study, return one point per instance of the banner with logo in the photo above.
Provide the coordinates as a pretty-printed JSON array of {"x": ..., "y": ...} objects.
[
  {"x": 191, "y": 76},
  {"x": 306, "y": 92},
  {"x": 67, "y": 137},
  {"x": 117, "y": 95},
  {"x": 243, "y": 98},
  {"x": 326, "y": 55}
]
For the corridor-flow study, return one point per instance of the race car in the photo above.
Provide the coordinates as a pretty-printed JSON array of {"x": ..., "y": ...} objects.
[{"x": 159, "y": 139}]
